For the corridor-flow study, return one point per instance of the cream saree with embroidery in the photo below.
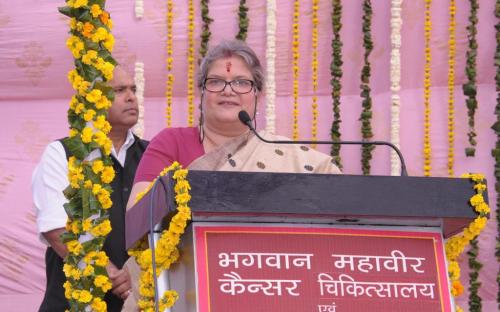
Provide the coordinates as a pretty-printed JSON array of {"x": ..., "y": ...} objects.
[{"x": 248, "y": 153}]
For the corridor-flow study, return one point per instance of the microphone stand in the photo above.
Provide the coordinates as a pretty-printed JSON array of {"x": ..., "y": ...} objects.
[{"x": 245, "y": 119}]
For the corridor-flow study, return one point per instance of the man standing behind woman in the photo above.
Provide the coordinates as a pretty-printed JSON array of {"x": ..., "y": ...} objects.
[
  {"x": 50, "y": 178},
  {"x": 230, "y": 79}
]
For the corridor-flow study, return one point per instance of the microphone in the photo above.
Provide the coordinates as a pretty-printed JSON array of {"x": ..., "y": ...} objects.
[{"x": 246, "y": 120}]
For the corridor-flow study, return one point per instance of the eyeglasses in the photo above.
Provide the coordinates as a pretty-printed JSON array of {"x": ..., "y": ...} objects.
[{"x": 240, "y": 86}]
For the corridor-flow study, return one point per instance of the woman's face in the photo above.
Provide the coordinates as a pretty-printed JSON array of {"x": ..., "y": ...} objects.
[{"x": 222, "y": 108}]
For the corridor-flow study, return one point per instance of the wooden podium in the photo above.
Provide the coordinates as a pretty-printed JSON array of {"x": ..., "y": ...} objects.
[{"x": 311, "y": 242}]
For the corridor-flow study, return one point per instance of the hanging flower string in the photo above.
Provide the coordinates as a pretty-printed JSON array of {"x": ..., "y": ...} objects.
[
  {"x": 456, "y": 245},
  {"x": 451, "y": 88},
  {"x": 89, "y": 191},
  {"x": 335, "y": 81},
  {"x": 396, "y": 22},
  {"x": 470, "y": 88},
  {"x": 242, "y": 21},
  {"x": 139, "y": 9},
  {"x": 166, "y": 252},
  {"x": 295, "y": 68},
  {"x": 169, "y": 92},
  {"x": 427, "y": 89},
  {"x": 496, "y": 151},
  {"x": 205, "y": 28},
  {"x": 366, "y": 113},
  {"x": 139, "y": 93},
  {"x": 474, "y": 283},
  {"x": 271, "y": 66},
  {"x": 314, "y": 65},
  {"x": 191, "y": 61}
]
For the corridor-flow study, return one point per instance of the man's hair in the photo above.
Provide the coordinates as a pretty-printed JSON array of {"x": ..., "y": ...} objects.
[{"x": 228, "y": 48}]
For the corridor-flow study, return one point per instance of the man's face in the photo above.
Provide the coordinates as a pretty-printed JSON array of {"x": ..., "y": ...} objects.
[{"x": 124, "y": 112}]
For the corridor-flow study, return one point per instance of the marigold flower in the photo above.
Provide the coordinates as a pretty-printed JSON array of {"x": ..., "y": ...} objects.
[
  {"x": 95, "y": 10},
  {"x": 88, "y": 28},
  {"x": 83, "y": 88},
  {"x": 101, "y": 259},
  {"x": 94, "y": 96},
  {"x": 67, "y": 289},
  {"x": 75, "y": 45},
  {"x": 79, "y": 108},
  {"x": 109, "y": 42},
  {"x": 72, "y": 23},
  {"x": 100, "y": 138},
  {"x": 89, "y": 57},
  {"x": 104, "y": 17},
  {"x": 182, "y": 198},
  {"x": 86, "y": 135},
  {"x": 85, "y": 296},
  {"x": 97, "y": 166},
  {"x": 180, "y": 174},
  {"x": 72, "y": 132},
  {"x": 87, "y": 224},
  {"x": 102, "y": 229},
  {"x": 103, "y": 103},
  {"x": 105, "y": 202},
  {"x": 100, "y": 34},
  {"x": 102, "y": 282},
  {"x": 107, "y": 148},
  {"x": 88, "y": 271},
  {"x": 108, "y": 174},
  {"x": 74, "y": 247},
  {"x": 456, "y": 288},
  {"x": 77, "y": 3},
  {"x": 99, "y": 305}
]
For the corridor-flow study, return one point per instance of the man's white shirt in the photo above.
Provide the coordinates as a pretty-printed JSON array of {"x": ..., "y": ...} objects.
[{"x": 50, "y": 178}]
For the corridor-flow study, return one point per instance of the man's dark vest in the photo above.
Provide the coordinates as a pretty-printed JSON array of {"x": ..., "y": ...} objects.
[{"x": 54, "y": 300}]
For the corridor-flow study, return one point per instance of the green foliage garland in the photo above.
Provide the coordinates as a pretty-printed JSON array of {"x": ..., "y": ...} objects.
[
  {"x": 205, "y": 32},
  {"x": 470, "y": 88},
  {"x": 242, "y": 21},
  {"x": 336, "y": 73},
  {"x": 366, "y": 113},
  {"x": 496, "y": 151},
  {"x": 474, "y": 283}
]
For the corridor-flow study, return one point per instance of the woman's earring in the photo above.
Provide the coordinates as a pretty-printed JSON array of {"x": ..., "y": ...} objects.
[
  {"x": 201, "y": 119},
  {"x": 255, "y": 112}
]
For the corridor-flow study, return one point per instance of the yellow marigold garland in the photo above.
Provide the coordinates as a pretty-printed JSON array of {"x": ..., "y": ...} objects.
[
  {"x": 169, "y": 93},
  {"x": 314, "y": 65},
  {"x": 295, "y": 63},
  {"x": 89, "y": 192},
  {"x": 451, "y": 88},
  {"x": 427, "y": 89},
  {"x": 191, "y": 61},
  {"x": 166, "y": 252},
  {"x": 456, "y": 245}
]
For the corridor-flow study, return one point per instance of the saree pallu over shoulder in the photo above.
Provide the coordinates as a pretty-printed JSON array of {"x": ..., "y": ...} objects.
[{"x": 248, "y": 153}]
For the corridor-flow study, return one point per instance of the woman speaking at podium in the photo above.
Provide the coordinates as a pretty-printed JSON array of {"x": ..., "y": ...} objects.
[{"x": 230, "y": 80}]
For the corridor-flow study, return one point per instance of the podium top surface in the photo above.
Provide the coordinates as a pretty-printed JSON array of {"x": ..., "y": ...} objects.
[{"x": 312, "y": 198}]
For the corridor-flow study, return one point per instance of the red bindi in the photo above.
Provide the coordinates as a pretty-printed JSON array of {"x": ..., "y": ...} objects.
[{"x": 228, "y": 67}]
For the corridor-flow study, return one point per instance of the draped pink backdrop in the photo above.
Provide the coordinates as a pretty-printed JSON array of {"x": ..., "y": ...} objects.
[{"x": 34, "y": 94}]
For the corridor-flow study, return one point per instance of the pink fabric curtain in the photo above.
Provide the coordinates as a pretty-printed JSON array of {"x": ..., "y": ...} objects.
[{"x": 34, "y": 94}]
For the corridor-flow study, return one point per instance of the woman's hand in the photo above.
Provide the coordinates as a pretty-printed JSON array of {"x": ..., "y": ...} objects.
[{"x": 120, "y": 279}]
